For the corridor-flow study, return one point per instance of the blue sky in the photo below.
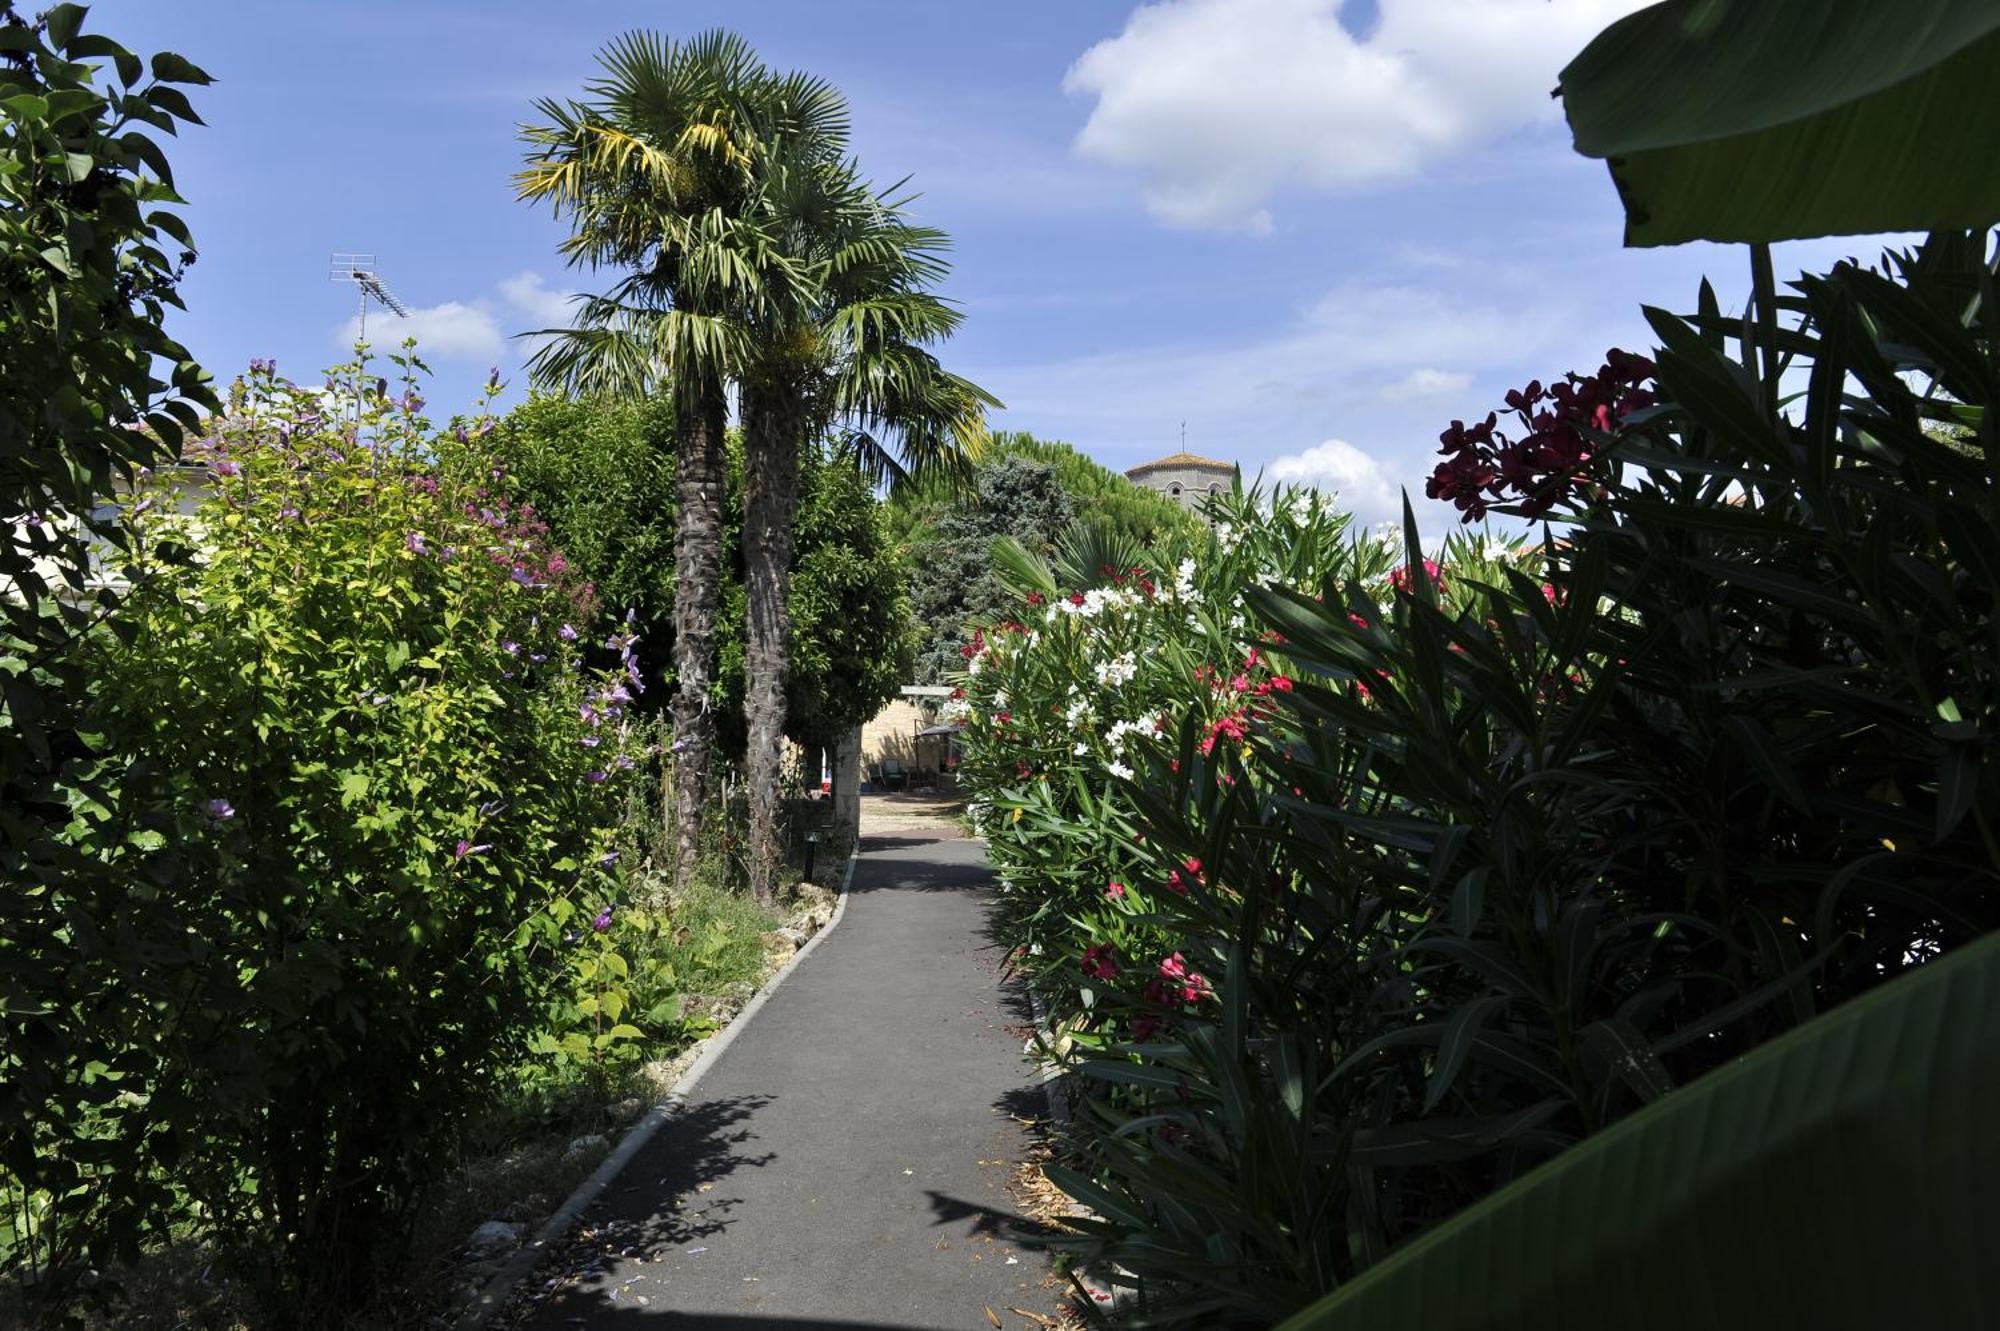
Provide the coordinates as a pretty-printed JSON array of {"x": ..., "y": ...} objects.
[{"x": 1313, "y": 230}]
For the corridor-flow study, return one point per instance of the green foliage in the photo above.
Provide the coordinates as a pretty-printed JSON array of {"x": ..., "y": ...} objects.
[
  {"x": 1762, "y": 122},
  {"x": 378, "y": 791},
  {"x": 92, "y": 251},
  {"x": 1757, "y": 1177},
  {"x": 1026, "y": 490},
  {"x": 600, "y": 473},
  {"x": 1514, "y": 854},
  {"x": 853, "y": 638}
]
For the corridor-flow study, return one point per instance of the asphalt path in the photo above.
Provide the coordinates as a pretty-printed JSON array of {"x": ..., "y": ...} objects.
[{"x": 844, "y": 1166}]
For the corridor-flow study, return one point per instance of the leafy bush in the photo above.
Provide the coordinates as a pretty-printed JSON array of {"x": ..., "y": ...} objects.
[
  {"x": 600, "y": 474},
  {"x": 386, "y": 791},
  {"x": 1518, "y": 853},
  {"x": 92, "y": 251}
]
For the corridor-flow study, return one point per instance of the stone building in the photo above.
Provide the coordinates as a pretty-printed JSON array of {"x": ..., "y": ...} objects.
[{"x": 1185, "y": 478}]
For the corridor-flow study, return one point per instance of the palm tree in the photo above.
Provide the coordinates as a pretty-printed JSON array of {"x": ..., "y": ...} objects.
[
  {"x": 657, "y": 171},
  {"x": 840, "y": 341}
]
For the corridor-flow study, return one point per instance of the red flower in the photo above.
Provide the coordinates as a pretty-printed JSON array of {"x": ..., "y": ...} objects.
[
  {"x": 1100, "y": 962},
  {"x": 1076, "y": 598}
]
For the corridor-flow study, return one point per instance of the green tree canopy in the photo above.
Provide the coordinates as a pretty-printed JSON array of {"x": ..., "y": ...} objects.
[
  {"x": 1039, "y": 492},
  {"x": 600, "y": 473}
]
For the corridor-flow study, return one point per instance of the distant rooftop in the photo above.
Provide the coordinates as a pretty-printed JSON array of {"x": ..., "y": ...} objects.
[{"x": 1182, "y": 459}]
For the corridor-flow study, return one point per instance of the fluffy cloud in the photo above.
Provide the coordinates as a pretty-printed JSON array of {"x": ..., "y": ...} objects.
[
  {"x": 1363, "y": 483},
  {"x": 457, "y": 329},
  {"x": 1217, "y": 104},
  {"x": 530, "y": 295},
  {"x": 1426, "y": 385},
  {"x": 467, "y": 329}
]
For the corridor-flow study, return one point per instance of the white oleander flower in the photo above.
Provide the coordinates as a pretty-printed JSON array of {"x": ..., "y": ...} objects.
[
  {"x": 1184, "y": 580},
  {"x": 1117, "y": 671},
  {"x": 1120, "y": 770}
]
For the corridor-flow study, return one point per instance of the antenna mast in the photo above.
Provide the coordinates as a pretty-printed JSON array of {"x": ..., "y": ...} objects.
[{"x": 360, "y": 270}]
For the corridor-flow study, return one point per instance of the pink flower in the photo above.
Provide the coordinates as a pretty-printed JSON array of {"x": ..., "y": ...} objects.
[
  {"x": 1114, "y": 890},
  {"x": 1100, "y": 962}
]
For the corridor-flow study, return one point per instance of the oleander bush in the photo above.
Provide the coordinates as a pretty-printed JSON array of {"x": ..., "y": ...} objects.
[{"x": 1518, "y": 846}]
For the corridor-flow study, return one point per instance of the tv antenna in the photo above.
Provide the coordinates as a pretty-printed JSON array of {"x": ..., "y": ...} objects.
[{"x": 360, "y": 270}]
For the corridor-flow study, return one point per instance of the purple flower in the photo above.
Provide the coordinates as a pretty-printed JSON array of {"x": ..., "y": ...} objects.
[
  {"x": 592, "y": 741},
  {"x": 608, "y": 858},
  {"x": 465, "y": 848},
  {"x": 220, "y": 811},
  {"x": 587, "y": 714},
  {"x": 228, "y": 468},
  {"x": 414, "y": 542},
  {"x": 288, "y": 513},
  {"x": 510, "y": 647},
  {"x": 603, "y": 921},
  {"x": 595, "y": 777},
  {"x": 566, "y": 633}
]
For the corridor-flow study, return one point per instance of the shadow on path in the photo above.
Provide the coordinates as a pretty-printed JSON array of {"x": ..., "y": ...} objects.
[{"x": 846, "y": 1164}]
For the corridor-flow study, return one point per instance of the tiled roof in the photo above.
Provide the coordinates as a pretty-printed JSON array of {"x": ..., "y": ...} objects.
[{"x": 1181, "y": 460}]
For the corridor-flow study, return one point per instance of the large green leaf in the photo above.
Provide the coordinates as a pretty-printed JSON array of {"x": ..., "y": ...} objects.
[
  {"x": 1761, "y": 120},
  {"x": 1839, "y": 1176}
]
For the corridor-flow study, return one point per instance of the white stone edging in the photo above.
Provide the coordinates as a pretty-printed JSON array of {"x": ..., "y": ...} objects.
[{"x": 500, "y": 1289}]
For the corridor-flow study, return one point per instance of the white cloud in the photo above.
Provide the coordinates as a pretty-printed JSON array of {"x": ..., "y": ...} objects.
[
  {"x": 1426, "y": 385},
  {"x": 467, "y": 329},
  {"x": 1363, "y": 483},
  {"x": 1285, "y": 385},
  {"x": 530, "y": 294},
  {"x": 456, "y": 329},
  {"x": 1218, "y": 104}
]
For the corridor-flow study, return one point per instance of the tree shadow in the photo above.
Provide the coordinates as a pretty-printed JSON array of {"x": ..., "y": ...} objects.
[
  {"x": 989, "y": 1221},
  {"x": 664, "y": 1198},
  {"x": 916, "y": 873},
  {"x": 612, "y": 1317}
]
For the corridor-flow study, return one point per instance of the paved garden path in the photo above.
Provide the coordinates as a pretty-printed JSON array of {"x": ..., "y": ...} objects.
[{"x": 845, "y": 1164}]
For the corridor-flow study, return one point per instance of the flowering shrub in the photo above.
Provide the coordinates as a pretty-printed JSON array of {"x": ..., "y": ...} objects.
[
  {"x": 1544, "y": 466},
  {"x": 392, "y": 793},
  {"x": 1521, "y": 849},
  {"x": 1108, "y": 676}
]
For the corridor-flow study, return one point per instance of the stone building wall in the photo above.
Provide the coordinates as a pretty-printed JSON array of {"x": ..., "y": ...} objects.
[{"x": 1185, "y": 478}]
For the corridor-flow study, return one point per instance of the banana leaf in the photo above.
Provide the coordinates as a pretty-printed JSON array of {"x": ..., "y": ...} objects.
[
  {"x": 1763, "y": 120},
  {"x": 1843, "y": 1175}
]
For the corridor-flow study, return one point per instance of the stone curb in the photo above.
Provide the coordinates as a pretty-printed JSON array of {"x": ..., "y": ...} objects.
[{"x": 500, "y": 1289}]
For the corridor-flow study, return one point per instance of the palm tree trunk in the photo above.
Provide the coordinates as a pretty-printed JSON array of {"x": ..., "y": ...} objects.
[
  {"x": 773, "y": 421},
  {"x": 701, "y": 496}
]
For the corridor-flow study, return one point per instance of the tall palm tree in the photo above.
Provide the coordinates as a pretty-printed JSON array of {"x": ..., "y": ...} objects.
[
  {"x": 839, "y": 341},
  {"x": 657, "y": 170}
]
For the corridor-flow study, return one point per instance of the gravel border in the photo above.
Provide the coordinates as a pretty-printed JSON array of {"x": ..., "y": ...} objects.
[{"x": 499, "y": 1291}]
